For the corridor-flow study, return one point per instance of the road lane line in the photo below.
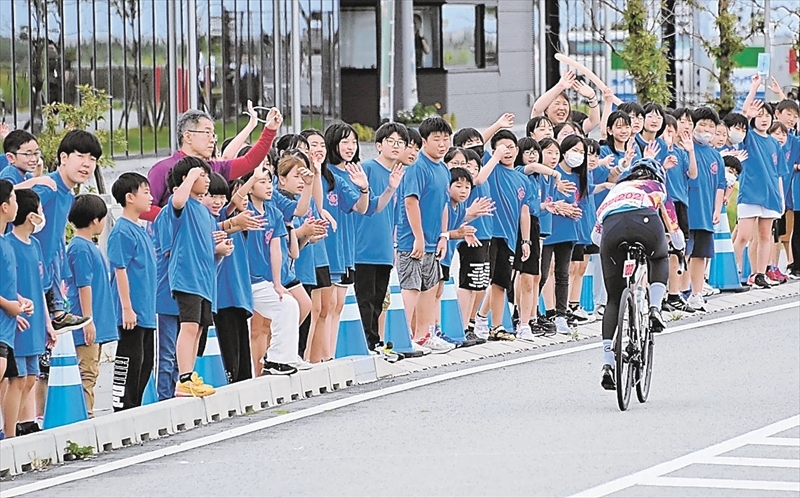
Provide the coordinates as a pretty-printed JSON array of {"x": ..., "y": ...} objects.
[
  {"x": 352, "y": 400},
  {"x": 648, "y": 476},
  {"x": 783, "y": 463},
  {"x": 779, "y": 441},
  {"x": 698, "y": 482}
]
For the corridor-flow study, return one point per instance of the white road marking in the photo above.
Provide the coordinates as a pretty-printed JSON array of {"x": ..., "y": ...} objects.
[
  {"x": 696, "y": 482},
  {"x": 785, "y": 463},
  {"x": 779, "y": 441},
  {"x": 352, "y": 400},
  {"x": 654, "y": 476}
]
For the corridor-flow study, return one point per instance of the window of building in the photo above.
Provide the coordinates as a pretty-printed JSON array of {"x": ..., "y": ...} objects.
[
  {"x": 469, "y": 36},
  {"x": 359, "y": 49},
  {"x": 427, "y": 44}
]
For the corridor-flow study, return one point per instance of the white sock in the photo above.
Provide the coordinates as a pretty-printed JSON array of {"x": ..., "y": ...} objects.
[{"x": 608, "y": 354}]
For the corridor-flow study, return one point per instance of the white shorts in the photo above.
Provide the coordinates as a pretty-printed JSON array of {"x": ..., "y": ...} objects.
[{"x": 745, "y": 211}]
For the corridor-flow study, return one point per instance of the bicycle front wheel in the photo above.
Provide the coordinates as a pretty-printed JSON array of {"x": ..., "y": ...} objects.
[
  {"x": 645, "y": 370},
  {"x": 626, "y": 326}
]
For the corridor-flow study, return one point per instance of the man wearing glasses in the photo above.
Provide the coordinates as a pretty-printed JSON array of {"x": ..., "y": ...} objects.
[
  {"x": 197, "y": 138},
  {"x": 23, "y": 155}
]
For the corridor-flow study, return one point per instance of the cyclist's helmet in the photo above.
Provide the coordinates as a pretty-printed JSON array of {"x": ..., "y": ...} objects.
[{"x": 644, "y": 168}]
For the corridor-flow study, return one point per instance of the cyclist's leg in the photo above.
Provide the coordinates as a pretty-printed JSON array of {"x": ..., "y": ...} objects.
[{"x": 658, "y": 261}]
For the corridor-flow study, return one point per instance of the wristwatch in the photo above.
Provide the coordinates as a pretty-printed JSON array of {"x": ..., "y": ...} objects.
[
  {"x": 444, "y": 235},
  {"x": 364, "y": 190},
  {"x": 527, "y": 242}
]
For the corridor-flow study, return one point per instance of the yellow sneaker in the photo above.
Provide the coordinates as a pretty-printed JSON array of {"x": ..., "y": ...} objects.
[{"x": 193, "y": 388}]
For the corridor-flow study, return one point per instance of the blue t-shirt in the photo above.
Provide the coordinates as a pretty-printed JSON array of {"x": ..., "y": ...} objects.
[
  {"x": 677, "y": 181},
  {"x": 641, "y": 144},
  {"x": 192, "y": 264},
  {"x": 791, "y": 152},
  {"x": 482, "y": 224},
  {"x": 129, "y": 247},
  {"x": 233, "y": 275},
  {"x": 565, "y": 229},
  {"x": 258, "y": 242},
  {"x": 510, "y": 191},
  {"x": 429, "y": 182},
  {"x": 588, "y": 217},
  {"x": 347, "y": 225},
  {"x": 30, "y": 271},
  {"x": 304, "y": 265},
  {"x": 535, "y": 192},
  {"x": 376, "y": 232},
  {"x": 596, "y": 177},
  {"x": 703, "y": 189},
  {"x": 86, "y": 267},
  {"x": 547, "y": 191},
  {"x": 3, "y": 162},
  {"x": 8, "y": 290},
  {"x": 765, "y": 164},
  {"x": 455, "y": 218},
  {"x": 162, "y": 240},
  {"x": 12, "y": 174},
  {"x": 55, "y": 206},
  {"x": 339, "y": 203}
]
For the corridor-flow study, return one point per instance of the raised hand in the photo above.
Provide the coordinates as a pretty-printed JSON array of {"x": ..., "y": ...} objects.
[
  {"x": 274, "y": 119},
  {"x": 651, "y": 150},
  {"x": 606, "y": 161},
  {"x": 357, "y": 175},
  {"x": 670, "y": 162},
  {"x": 252, "y": 112},
  {"x": 506, "y": 120},
  {"x": 686, "y": 142},
  {"x": 482, "y": 206},
  {"x": 773, "y": 86},
  {"x": 583, "y": 89},
  {"x": 396, "y": 176},
  {"x": 753, "y": 109},
  {"x": 4, "y": 130},
  {"x": 566, "y": 81},
  {"x": 248, "y": 221},
  {"x": 307, "y": 175}
]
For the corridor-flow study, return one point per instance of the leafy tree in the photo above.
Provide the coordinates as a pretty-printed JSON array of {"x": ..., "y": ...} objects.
[{"x": 643, "y": 55}]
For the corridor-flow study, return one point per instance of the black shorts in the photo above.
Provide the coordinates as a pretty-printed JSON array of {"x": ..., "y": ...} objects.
[
  {"x": 700, "y": 244},
  {"x": 293, "y": 285},
  {"x": 193, "y": 309},
  {"x": 473, "y": 273},
  {"x": 11, "y": 362},
  {"x": 500, "y": 263},
  {"x": 779, "y": 228},
  {"x": 578, "y": 250},
  {"x": 347, "y": 278},
  {"x": 682, "y": 213},
  {"x": 323, "y": 274},
  {"x": 591, "y": 249},
  {"x": 445, "y": 273},
  {"x": 531, "y": 265}
]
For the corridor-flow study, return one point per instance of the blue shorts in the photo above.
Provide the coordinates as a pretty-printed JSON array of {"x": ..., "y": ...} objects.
[
  {"x": 27, "y": 365},
  {"x": 700, "y": 244}
]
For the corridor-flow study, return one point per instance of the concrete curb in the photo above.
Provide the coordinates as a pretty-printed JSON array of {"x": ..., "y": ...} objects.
[{"x": 135, "y": 426}]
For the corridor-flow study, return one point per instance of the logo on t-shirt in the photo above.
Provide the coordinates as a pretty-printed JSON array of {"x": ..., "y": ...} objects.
[
  {"x": 714, "y": 167},
  {"x": 41, "y": 270},
  {"x": 775, "y": 158},
  {"x": 268, "y": 235},
  {"x": 520, "y": 193},
  {"x": 333, "y": 199}
]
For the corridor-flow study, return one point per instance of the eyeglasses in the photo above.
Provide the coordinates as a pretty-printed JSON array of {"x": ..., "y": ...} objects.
[
  {"x": 30, "y": 156},
  {"x": 456, "y": 164},
  {"x": 530, "y": 153},
  {"x": 206, "y": 132},
  {"x": 391, "y": 142}
]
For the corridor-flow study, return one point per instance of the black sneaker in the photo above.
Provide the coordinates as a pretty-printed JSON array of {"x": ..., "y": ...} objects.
[
  {"x": 657, "y": 324},
  {"x": 472, "y": 339},
  {"x": 536, "y": 329},
  {"x": 607, "y": 381},
  {"x": 25, "y": 428},
  {"x": 69, "y": 322},
  {"x": 547, "y": 325},
  {"x": 272, "y": 368},
  {"x": 760, "y": 280},
  {"x": 500, "y": 334},
  {"x": 672, "y": 305}
]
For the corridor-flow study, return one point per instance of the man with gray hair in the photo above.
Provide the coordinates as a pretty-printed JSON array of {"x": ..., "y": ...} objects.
[{"x": 197, "y": 138}]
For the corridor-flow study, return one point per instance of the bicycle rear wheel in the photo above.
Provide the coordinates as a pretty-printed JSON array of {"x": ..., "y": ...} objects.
[{"x": 626, "y": 323}]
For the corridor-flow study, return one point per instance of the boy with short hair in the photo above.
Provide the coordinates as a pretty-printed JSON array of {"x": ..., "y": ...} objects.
[
  {"x": 78, "y": 153},
  {"x": 374, "y": 261},
  {"x": 193, "y": 268},
  {"x": 131, "y": 256},
  {"x": 32, "y": 331},
  {"x": 705, "y": 199},
  {"x": 89, "y": 289},
  {"x": 421, "y": 243},
  {"x": 23, "y": 154}
]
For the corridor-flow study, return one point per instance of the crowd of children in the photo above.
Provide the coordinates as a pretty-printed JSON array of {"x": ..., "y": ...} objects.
[{"x": 263, "y": 241}]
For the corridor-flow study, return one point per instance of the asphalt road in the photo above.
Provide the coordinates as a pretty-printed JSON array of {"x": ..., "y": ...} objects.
[{"x": 543, "y": 428}]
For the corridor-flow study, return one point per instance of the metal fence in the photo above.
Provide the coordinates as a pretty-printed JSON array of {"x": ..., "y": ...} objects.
[{"x": 227, "y": 52}]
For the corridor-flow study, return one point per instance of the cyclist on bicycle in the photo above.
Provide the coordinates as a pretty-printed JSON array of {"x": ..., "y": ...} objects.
[{"x": 635, "y": 210}]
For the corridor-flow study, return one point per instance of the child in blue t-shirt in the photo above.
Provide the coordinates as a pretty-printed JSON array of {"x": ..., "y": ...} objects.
[
  {"x": 33, "y": 331},
  {"x": 23, "y": 154},
  {"x": 131, "y": 256},
  {"x": 89, "y": 289},
  {"x": 196, "y": 247},
  {"x": 270, "y": 299},
  {"x": 705, "y": 201},
  {"x": 787, "y": 112}
]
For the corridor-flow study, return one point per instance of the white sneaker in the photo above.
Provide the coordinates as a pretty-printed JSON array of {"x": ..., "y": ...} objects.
[
  {"x": 561, "y": 326},
  {"x": 419, "y": 349},
  {"x": 482, "y": 327},
  {"x": 582, "y": 315},
  {"x": 599, "y": 309},
  {"x": 524, "y": 332},
  {"x": 437, "y": 345},
  {"x": 708, "y": 290},
  {"x": 697, "y": 302},
  {"x": 301, "y": 364}
]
